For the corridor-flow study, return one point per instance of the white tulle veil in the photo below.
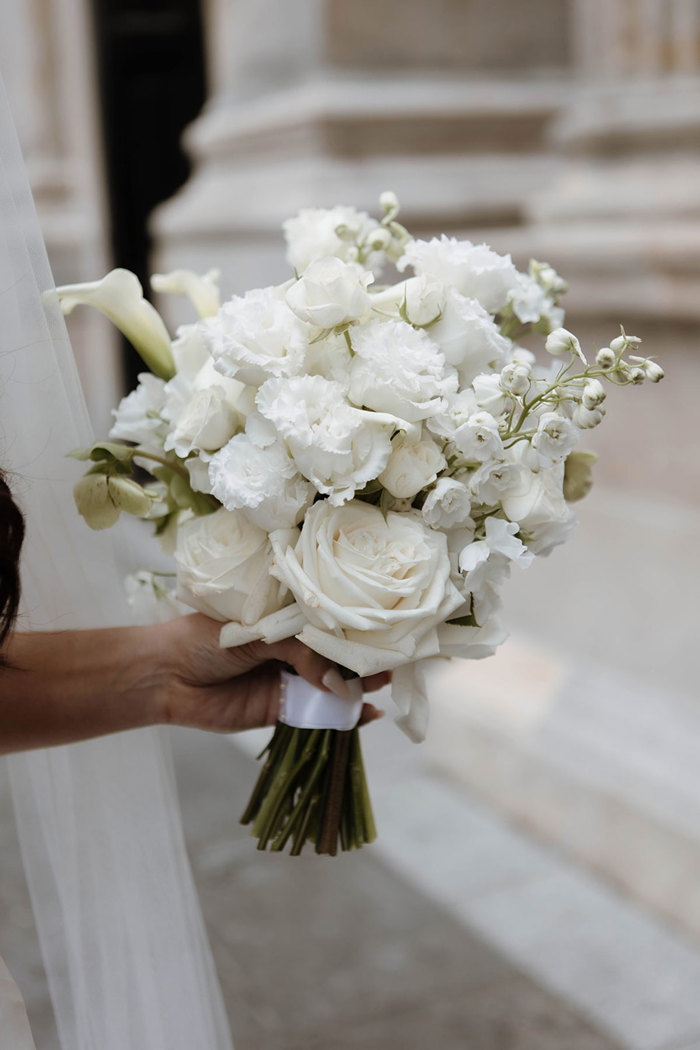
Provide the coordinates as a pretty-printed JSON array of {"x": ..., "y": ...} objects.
[{"x": 126, "y": 954}]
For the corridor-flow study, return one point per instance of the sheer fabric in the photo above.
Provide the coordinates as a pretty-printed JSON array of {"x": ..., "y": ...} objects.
[{"x": 127, "y": 958}]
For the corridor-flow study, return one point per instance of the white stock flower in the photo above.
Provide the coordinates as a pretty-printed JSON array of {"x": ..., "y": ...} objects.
[
  {"x": 398, "y": 369},
  {"x": 337, "y": 447},
  {"x": 475, "y": 270},
  {"x": 555, "y": 437},
  {"x": 447, "y": 505},
  {"x": 314, "y": 233},
  {"x": 478, "y": 439},
  {"x": 537, "y": 504},
  {"x": 331, "y": 292},
  {"x": 468, "y": 337},
  {"x": 412, "y": 466},
  {"x": 256, "y": 336},
  {"x": 262, "y": 482},
  {"x": 119, "y": 296},
  {"x": 201, "y": 289},
  {"x": 139, "y": 418},
  {"x": 223, "y": 564},
  {"x": 373, "y": 589}
]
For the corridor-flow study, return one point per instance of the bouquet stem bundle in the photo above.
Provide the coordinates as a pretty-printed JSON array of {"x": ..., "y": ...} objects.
[{"x": 312, "y": 788}]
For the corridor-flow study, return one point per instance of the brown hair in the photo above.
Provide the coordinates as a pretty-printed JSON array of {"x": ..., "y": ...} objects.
[{"x": 11, "y": 536}]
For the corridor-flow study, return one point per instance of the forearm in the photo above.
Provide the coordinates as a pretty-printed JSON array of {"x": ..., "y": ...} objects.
[{"x": 66, "y": 686}]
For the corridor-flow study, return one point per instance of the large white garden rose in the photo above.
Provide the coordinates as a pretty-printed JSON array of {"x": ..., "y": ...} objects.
[
  {"x": 475, "y": 270},
  {"x": 256, "y": 336},
  {"x": 223, "y": 563},
  {"x": 373, "y": 589},
  {"x": 398, "y": 369}
]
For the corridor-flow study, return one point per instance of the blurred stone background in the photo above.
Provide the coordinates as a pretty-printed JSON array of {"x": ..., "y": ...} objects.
[{"x": 555, "y": 810}]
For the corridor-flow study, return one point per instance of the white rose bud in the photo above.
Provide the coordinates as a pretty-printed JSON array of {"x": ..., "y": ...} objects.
[
  {"x": 593, "y": 393},
  {"x": 587, "y": 418},
  {"x": 562, "y": 341},
  {"x": 515, "y": 379},
  {"x": 331, "y": 292},
  {"x": 411, "y": 467},
  {"x": 606, "y": 357}
]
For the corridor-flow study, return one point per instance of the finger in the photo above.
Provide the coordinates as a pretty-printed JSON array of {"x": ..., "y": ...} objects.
[
  {"x": 376, "y": 681},
  {"x": 370, "y": 713}
]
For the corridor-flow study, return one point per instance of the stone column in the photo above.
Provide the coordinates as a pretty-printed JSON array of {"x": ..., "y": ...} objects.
[
  {"x": 320, "y": 102},
  {"x": 46, "y": 58},
  {"x": 622, "y": 219}
]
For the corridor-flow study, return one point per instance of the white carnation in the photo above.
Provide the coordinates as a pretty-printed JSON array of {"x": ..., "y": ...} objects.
[
  {"x": 468, "y": 337},
  {"x": 256, "y": 336},
  {"x": 331, "y": 292},
  {"x": 475, "y": 270},
  {"x": 330, "y": 358},
  {"x": 337, "y": 447},
  {"x": 399, "y": 369},
  {"x": 263, "y": 482},
  {"x": 316, "y": 232}
]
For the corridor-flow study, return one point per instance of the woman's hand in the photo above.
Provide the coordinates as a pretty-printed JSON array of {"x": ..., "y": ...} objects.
[{"x": 226, "y": 690}]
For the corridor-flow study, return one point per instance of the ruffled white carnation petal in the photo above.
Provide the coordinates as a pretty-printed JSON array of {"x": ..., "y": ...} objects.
[{"x": 475, "y": 270}]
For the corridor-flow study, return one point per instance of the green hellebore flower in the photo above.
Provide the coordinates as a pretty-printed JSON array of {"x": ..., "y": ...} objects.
[
  {"x": 100, "y": 499},
  {"x": 578, "y": 475}
]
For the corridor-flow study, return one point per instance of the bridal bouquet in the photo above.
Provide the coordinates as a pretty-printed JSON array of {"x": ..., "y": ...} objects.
[{"x": 355, "y": 464}]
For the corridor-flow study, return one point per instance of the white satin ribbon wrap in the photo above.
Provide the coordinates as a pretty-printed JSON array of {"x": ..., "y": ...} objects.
[{"x": 305, "y": 707}]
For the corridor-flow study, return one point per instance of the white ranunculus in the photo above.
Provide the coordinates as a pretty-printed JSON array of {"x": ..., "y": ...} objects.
[
  {"x": 256, "y": 336},
  {"x": 478, "y": 439},
  {"x": 139, "y": 418},
  {"x": 331, "y": 292},
  {"x": 337, "y": 447},
  {"x": 314, "y": 233},
  {"x": 373, "y": 589},
  {"x": 398, "y": 369},
  {"x": 537, "y": 504},
  {"x": 475, "y": 270},
  {"x": 262, "y": 482},
  {"x": 555, "y": 437},
  {"x": 223, "y": 564},
  {"x": 468, "y": 337},
  {"x": 412, "y": 466},
  {"x": 447, "y": 505}
]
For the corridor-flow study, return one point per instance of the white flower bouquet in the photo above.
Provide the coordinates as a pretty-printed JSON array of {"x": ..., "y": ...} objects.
[{"x": 354, "y": 464}]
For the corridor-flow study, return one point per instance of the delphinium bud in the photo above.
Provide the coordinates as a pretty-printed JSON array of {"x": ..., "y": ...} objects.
[
  {"x": 562, "y": 341},
  {"x": 593, "y": 394},
  {"x": 587, "y": 418},
  {"x": 606, "y": 357},
  {"x": 653, "y": 372},
  {"x": 515, "y": 379},
  {"x": 624, "y": 342}
]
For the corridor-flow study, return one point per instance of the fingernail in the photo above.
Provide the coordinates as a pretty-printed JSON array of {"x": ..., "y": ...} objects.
[{"x": 334, "y": 681}]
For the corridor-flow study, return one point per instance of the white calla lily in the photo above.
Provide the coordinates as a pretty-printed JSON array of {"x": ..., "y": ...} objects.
[
  {"x": 119, "y": 296},
  {"x": 201, "y": 289}
]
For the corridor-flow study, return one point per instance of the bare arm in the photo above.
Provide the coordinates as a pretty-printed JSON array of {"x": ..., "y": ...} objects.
[{"x": 66, "y": 686}]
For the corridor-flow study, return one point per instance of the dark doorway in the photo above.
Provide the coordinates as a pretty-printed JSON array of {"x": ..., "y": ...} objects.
[{"x": 152, "y": 84}]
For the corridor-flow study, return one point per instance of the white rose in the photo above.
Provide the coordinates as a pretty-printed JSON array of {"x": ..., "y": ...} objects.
[
  {"x": 398, "y": 369},
  {"x": 262, "y": 482},
  {"x": 138, "y": 417},
  {"x": 336, "y": 446},
  {"x": 256, "y": 336},
  {"x": 475, "y": 270},
  {"x": 539, "y": 507},
  {"x": 468, "y": 337},
  {"x": 555, "y": 437},
  {"x": 317, "y": 232},
  {"x": 412, "y": 466},
  {"x": 223, "y": 563},
  {"x": 447, "y": 505},
  {"x": 330, "y": 293},
  {"x": 373, "y": 590},
  {"x": 419, "y": 300}
]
